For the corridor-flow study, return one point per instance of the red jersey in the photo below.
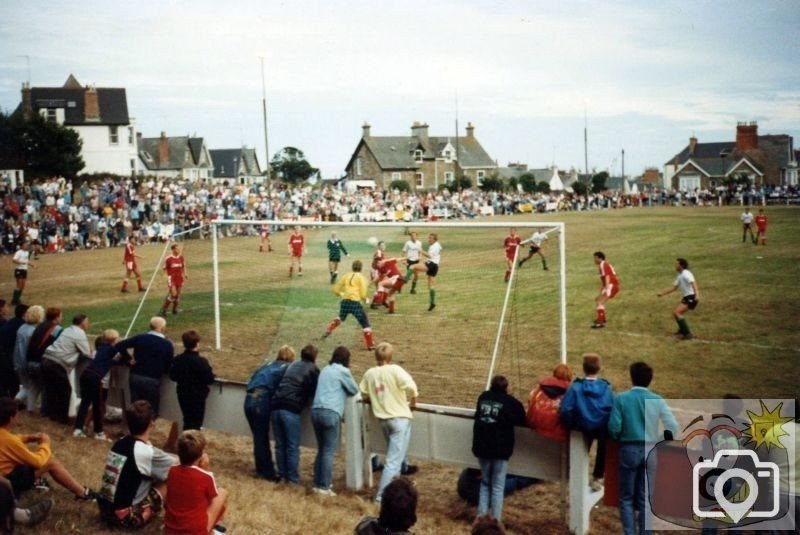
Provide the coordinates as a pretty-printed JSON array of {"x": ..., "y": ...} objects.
[
  {"x": 389, "y": 269},
  {"x": 761, "y": 222},
  {"x": 129, "y": 253},
  {"x": 296, "y": 242},
  {"x": 190, "y": 490},
  {"x": 607, "y": 270},
  {"x": 511, "y": 243},
  {"x": 175, "y": 266}
]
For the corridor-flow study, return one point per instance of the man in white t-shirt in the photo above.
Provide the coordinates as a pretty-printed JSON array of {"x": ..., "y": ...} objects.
[
  {"x": 412, "y": 250},
  {"x": 747, "y": 225},
  {"x": 691, "y": 296},
  {"x": 431, "y": 267},
  {"x": 21, "y": 262},
  {"x": 535, "y": 244}
]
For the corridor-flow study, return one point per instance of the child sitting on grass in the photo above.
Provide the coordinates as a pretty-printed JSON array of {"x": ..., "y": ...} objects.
[{"x": 195, "y": 502}]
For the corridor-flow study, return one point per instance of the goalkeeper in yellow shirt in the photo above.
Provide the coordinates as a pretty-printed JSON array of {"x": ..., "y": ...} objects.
[{"x": 352, "y": 288}]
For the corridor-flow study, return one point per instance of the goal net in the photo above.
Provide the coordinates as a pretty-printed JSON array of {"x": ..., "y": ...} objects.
[{"x": 481, "y": 324}]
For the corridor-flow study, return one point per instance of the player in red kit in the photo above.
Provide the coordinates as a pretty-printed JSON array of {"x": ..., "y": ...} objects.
[
  {"x": 761, "y": 225},
  {"x": 130, "y": 265},
  {"x": 297, "y": 248},
  {"x": 511, "y": 243},
  {"x": 609, "y": 287},
  {"x": 391, "y": 281},
  {"x": 175, "y": 266}
]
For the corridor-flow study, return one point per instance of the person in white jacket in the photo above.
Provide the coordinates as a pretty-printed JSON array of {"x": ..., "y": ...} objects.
[{"x": 57, "y": 362}]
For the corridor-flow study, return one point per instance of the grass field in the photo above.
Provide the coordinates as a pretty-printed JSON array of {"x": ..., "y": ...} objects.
[{"x": 747, "y": 341}]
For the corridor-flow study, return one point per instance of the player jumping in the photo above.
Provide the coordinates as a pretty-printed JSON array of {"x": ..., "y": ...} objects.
[
  {"x": 431, "y": 267},
  {"x": 391, "y": 281},
  {"x": 175, "y": 267},
  {"x": 411, "y": 250},
  {"x": 130, "y": 265},
  {"x": 297, "y": 248},
  {"x": 609, "y": 287}
]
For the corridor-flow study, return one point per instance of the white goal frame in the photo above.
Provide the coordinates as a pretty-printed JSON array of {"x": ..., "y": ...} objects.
[{"x": 557, "y": 227}]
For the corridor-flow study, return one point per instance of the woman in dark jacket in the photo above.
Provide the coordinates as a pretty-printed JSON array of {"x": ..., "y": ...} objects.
[{"x": 496, "y": 414}]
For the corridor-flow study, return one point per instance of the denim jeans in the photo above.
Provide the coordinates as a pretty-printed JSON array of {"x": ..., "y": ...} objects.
[
  {"x": 286, "y": 427},
  {"x": 397, "y": 432},
  {"x": 327, "y": 424},
  {"x": 493, "y": 486},
  {"x": 632, "y": 486},
  {"x": 256, "y": 409}
]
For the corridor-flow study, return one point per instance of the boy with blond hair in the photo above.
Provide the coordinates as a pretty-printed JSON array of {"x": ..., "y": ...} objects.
[{"x": 195, "y": 502}]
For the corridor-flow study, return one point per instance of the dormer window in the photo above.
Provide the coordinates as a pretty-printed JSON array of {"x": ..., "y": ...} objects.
[
  {"x": 51, "y": 116},
  {"x": 448, "y": 155},
  {"x": 418, "y": 155}
]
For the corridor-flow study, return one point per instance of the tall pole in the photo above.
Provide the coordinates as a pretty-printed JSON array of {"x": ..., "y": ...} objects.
[
  {"x": 457, "y": 162},
  {"x": 264, "y": 110},
  {"x": 623, "y": 164},
  {"x": 585, "y": 144}
]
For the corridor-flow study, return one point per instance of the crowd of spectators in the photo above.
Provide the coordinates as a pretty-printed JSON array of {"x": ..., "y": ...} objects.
[{"x": 56, "y": 214}]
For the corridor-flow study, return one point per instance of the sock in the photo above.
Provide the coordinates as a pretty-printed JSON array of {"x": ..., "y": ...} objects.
[
  {"x": 124, "y": 284},
  {"x": 260, "y": 248},
  {"x": 368, "y": 338},
  {"x": 300, "y": 269},
  {"x": 409, "y": 272},
  {"x": 544, "y": 262},
  {"x": 413, "y": 286},
  {"x": 166, "y": 304},
  {"x": 175, "y": 305},
  {"x": 335, "y": 323},
  {"x": 17, "y": 295},
  {"x": 139, "y": 283},
  {"x": 391, "y": 305},
  {"x": 291, "y": 270},
  {"x": 508, "y": 274},
  {"x": 683, "y": 326},
  {"x": 433, "y": 296},
  {"x": 380, "y": 297},
  {"x": 601, "y": 314}
]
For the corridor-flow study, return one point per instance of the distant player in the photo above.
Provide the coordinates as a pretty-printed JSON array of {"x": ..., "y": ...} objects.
[
  {"x": 391, "y": 281},
  {"x": 265, "y": 232},
  {"x": 130, "y": 265},
  {"x": 175, "y": 267},
  {"x": 297, "y": 248},
  {"x": 747, "y": 225},
  {"x": 511, "y": 244},
  {"x": 411, "y": 250},
  {"x": 335, "y": 250},
  {"x": 431, "y": 267},
  {"x": 761, "y": 225},
  {"x": 691, "y": 296},
  {"x": 377, "y": 256},
  {"x": 352, "y": 288},
  {"x": 21, "y": 262},
  {"x": 535, "y": 242},
  {"x": 609, "y": 287}
]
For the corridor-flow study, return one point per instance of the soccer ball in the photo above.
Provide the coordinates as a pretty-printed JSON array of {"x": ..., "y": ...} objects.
[{"x": 372, "y": 241}]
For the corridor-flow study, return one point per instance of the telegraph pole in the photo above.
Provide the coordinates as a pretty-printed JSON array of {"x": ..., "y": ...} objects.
[{"x": 264, "y": 111}]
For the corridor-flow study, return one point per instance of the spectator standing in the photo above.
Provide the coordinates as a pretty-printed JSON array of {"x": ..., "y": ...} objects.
[
  {"x": 193, "y": 374},
  {"x": 9, "y": 382},
  {"x": 58, "y": 361},
  {"x": 496, "y": 415},
  {"x": 335, "y": 384},
  {"x": 30, "y": 379},
  {"x": 294, "y": 393},
  {"x": 91, "y": 383}
]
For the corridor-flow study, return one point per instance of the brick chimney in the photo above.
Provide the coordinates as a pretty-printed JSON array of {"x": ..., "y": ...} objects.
[
  {"x": 419, "y": 131},
  {"x": 27, "y": 103},
  {"x": 91, "y": 105},
  {"x": 365, "y": 129},
  {"x": 470, "y": 130},
  {"x": 746, "y": 136},
  {"x": 163, "y": 150},
  {"x": 692, "y": 145}
]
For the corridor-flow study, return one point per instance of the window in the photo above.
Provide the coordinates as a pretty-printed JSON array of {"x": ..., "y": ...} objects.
[
  {"x": 358, "y": 166},
  {"x": 480, "y": 176},
  {"x": 418, "y": 155},
  {"x": 448, "y": 155},
  {"x": 418, "y": 178},
  {"x": 130, "y": 135},
  {"x": 448, "y": 176},
  {"x": 133, "y": 165},
  {"x": 51, "y": 115},
  {"x": 113, "y": 135},
  {"x": 396, "y": 176}
]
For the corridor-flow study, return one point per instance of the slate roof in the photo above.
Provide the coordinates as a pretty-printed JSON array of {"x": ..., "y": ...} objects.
[
  {"x": 112, "y": 101},
  {"x": 703, "y": 151},
  {"x": 224, "y": 166},
  {"x": 397, "y": 152},
  {"x": 180, "y": 152}
]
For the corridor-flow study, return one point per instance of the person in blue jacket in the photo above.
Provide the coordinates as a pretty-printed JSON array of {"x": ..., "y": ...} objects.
[{"x": 586, "y": 407}]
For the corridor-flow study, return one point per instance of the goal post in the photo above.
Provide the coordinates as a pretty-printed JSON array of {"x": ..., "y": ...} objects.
[{"x": 478, "y": 312}]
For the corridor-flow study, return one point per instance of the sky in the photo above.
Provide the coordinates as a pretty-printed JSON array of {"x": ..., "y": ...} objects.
[{"x": 642, "y": 76}]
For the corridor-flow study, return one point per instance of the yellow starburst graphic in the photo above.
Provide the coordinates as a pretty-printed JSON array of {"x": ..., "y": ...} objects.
[{"x": 765, "y": 428}]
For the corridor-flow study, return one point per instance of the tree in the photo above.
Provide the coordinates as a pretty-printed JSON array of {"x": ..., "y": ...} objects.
[
  {"x": 492, "y": 182},
  {"x": 512, "y": 183},
  {"x": 599, "y": 182},
  {"x": 462, "y": 181},
  {"x": 39, "y": 147},
  {"x": 400, "y": 185},
  {"x": 580, "y": 188},
  {"x": 290, "y": 165},
  {"x": 528, "y": 182},
  {"x": 543, "y": 187}
]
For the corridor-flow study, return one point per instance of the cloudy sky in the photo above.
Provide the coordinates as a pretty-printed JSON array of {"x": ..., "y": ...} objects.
[{"x": 647, "y": 74}]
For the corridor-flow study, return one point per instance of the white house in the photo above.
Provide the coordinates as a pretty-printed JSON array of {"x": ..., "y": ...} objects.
[{"x": 99, "y": 116}]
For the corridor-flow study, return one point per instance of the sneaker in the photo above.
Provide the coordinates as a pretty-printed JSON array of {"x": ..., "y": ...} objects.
[
  {"x": 176, "y": 311},
  {"x": 323, "y": 492},
  {"x": 377, "y": 466},
  {"x": 88, "y": 495},
  {"x": 37, "y": 512},
  {"x": 41, "y": 484},
  {"x": 546, "y": 268},
  {"x": 325, "y": 335},
  {"x": 412, "y": 291},
  {"x": 596, "y": 484},
  {"x": 687, "y": 336},
  {"x": 410, "y": 469},
  {"x": 78, "y": 433},
  {"x": 371, "y": 348},
  {"x": 101, "y": 436},
  {"x": 219, "y": 529},
  {"x": 162, "y": 312},
  {"x": 433, "y": 305},
  {"x": 300, "y": 274},
  {"x": 142, "y": 289},
  {"x": 125, "y": 291},
  {"x": 598, "y": 325}
]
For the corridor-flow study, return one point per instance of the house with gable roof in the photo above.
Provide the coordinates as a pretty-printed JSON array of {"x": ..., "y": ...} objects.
[
  {"x": 422, "y": 160},
  {"x": 98, "y": 114},
  {"x": 238, "y": 166},
  {"x": 175, "y": 157},
  {"x": 765, "y": 160}
]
